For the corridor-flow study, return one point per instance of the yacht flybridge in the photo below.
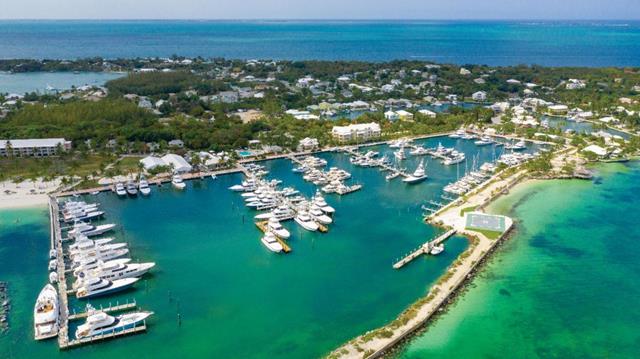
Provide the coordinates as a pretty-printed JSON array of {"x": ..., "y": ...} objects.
[{"x": 417, "y": 176}]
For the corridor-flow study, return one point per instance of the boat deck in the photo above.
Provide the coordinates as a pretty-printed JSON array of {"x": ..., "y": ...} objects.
[
  {"x": 78, "y": 342},
  {"x": 110, "y": 309},
  {"x": 262, "y": 225}
]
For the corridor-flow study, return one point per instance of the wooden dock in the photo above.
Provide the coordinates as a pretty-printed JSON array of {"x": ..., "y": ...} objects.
[
  {"x": 423, "y": 249},
  {"x": 138, "y": 328},
  {"x": 110, "y": 309},
  {"x": 56, "y": 243},
  {"x": 262, "y": 225}
]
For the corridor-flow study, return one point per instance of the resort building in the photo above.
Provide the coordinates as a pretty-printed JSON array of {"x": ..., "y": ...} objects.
[
  {"x": 179, "y": 164},
  {"x": 428, "y": 113},
  {"x": 362, "y": 131},
  {"x": 41, "y": 147}
]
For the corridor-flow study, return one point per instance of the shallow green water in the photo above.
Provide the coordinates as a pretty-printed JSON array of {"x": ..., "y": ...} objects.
[
  {"x": 235, "y": 298},
  {"x": 565, "y": 285}
]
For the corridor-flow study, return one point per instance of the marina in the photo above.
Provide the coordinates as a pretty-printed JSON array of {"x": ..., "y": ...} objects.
[{"x": 312, "y": 248}]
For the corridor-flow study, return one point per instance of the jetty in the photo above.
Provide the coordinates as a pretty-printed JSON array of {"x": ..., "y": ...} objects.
[
  {"x": 262, "y": 225},
  {"x": 424, "y": 249},
  {"x": 137, "y": 328},
  {"x": 110, "y": 309},
  {"x": 56, "y": 243}
]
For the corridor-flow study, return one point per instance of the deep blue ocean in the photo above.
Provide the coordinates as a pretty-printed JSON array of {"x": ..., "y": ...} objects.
[{"x": 551, "y": 43}]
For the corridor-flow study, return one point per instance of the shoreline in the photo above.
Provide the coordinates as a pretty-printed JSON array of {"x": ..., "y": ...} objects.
[{"x": 26, "y": 194}]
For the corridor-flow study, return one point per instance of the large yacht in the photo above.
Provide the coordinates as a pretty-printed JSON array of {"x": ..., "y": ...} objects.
[
  {"x": 99, "y": 323},
  {"x": 177, "y": 182},
  {"x": 93, "y": 287},
  {"x": 88, "y": 230},
  {"x": 270, "y": 241},
  {"x": 113, "y": 271},
  {"x": 143, "y": 186},
  {"x": 317, "y": 214},
  {"x": 418, "y": 175},
  {"x": 132, "y": 190},
  {"x": 95, "y": 263},
  {"x": 84, "y": 257},
  {"x": 304, "y": 220},
  {"x": 88, "y": 249},
  {"x": 45, "y": 313},
  {"x": 277, "y": 228},
  {"x": 120, "y": 189}
]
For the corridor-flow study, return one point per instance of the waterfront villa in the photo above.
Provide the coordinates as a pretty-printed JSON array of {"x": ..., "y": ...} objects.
[
  {"x": 41, "y": 147},
  {"x": 479, "y": 96},
  {"x": 361, "y": 131}
]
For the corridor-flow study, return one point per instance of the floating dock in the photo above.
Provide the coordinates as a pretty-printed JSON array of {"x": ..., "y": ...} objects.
[
  {"x": 263, "y": 227},
  {"x": 423, "y": 249},
  {"x": 138, "y": 328}
]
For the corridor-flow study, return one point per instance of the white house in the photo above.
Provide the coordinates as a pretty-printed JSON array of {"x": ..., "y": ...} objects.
[
  {"x": 179, "y": 164},
  {"x": 599, "y": 151},
  {"x": 40, "y": 147},
  {"x": 308, "y": 144},
  {"x": 479, "y": 96},
  {"x": 361, "y": 131},
  {"x": 404, "y": 115},
  {"x": 428, "y": 113}
]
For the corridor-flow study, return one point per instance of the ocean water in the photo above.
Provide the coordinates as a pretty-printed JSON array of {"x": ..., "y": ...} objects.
[
  {"x": 581, "y": 127},
  {"x": 562, "y": 286},
  {"x": 587, "y": 43},
  {"x": 234, "y": 297},
  {"x": 21, "y": 83}
]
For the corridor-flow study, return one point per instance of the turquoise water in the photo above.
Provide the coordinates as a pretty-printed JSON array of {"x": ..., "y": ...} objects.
[
  {"x": 21, "y": 83},
  {"x": 235, "y": 298},
  {"x": 551, "y": 43},
  {"x": 564, "y": 286}
]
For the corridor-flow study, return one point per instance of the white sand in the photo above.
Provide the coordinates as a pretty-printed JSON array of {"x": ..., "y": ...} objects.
[{"x": 26, "y": 194}]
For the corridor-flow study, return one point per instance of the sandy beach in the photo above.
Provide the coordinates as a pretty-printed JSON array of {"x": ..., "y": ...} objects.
[{"x": 26, "y": 194}]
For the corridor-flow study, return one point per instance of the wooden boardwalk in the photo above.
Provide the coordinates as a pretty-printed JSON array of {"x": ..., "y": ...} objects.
[
  {"x": 423, "y": 249},
  {"x": 56, "y": 243}
]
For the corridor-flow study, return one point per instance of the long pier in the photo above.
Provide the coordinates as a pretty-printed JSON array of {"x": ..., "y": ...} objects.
[
  {"x": 110, "y": 309},
  {"x": 56, "y": 243},
  {"x": 423, "y": 249},
  {"x": 137, "y": 328}
]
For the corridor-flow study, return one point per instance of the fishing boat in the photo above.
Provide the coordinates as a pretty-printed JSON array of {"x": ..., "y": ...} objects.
[
  {"x": 100, "y": 323},
  {"x": 454, "y": 159},
  {"x": 94, "y": 287},
  {"x": 276, "y": 228},
  {"x": 120, "y": 189},
  {"x": 437, "y": 250},
  {"x": 417, "y": 176},
  {"x": 270, "y": 241},
  {"x": 177, "y": 182},
  {"x": 132, "y": 190},
  {"x": 306, "y": 222},
  {"x": 143, "y": 185},
  {"x": 317, "y": 214},
  {"x": 483, "y": 141},
  {"x": 45, "y": 313},
  {"x": 392, "y": 175},
  {"x": 399, "y": 154}
]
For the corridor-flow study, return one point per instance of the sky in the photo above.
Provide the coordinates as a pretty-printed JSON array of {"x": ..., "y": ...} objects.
[{"x": 320, "y": 9}]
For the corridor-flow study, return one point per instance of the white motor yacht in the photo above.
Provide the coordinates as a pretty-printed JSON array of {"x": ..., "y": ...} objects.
[
  {"x": 88, "y": 230},
  {"x": 317, "y": 214},
  {"x": 94, "y": 287},
  {"x": 95, "y": 263},
  {"x": 120, "y": 189},
  {"x": 276, "y": 228},
  {"x": 418, "y": 175},
  {"x": 112, "y": 271},
  {"x": 177, "y": 182},
  {"x": 143, "y": 185},
  {"x": 100, "y": 323},
  {"x": 304, "y": 220},
  {"x": 132, "y": 190},
  {"x": 399, "y": 154},
  {"x": 437, "y": 250},
  {"x": 483, "y": 141},
  {"x": 45, "y": 313},
  {"x": 270, "y": 241}
]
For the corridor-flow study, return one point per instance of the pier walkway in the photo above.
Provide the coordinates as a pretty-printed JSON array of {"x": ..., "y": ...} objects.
[
  {"x": 56, "y": 243},
  {"x": 137, "y": 328},
  {"x": 424, "y": 249},
  {"x": 382, "y": 165},
  {"x": 110, "y": 309}
]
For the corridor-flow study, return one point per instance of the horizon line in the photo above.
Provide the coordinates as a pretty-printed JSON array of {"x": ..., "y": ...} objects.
[{"x": 315, "y": 19}]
